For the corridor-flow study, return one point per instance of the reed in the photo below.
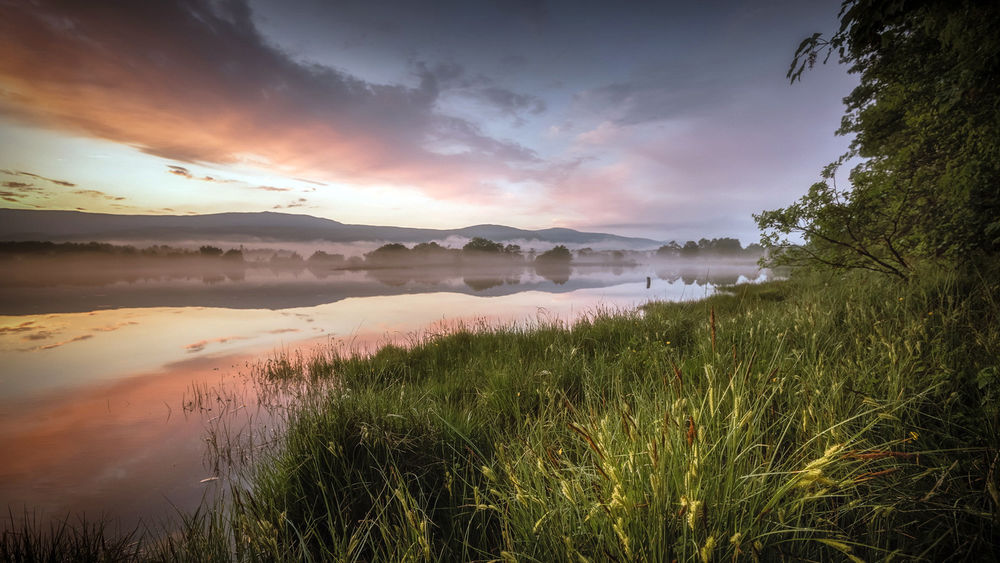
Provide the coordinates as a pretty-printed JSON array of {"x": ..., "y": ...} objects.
[{"x": 818, "y": 418}]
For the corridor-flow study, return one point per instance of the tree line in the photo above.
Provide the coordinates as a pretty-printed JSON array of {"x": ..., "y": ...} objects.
[
  {"x": 477, "y": 250},
  {"x": 11, "y": 249},
  {"x": 716, "y": 247}
]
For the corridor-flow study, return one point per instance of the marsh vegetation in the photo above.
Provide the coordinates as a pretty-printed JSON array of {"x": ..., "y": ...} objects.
[{"x": 817, "y": 418}]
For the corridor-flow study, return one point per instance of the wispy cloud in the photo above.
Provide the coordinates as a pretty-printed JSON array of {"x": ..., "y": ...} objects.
[
  {"x": 271, "y": 189},
  {"x": 65, "y": 342},
  {"x": 17, "y": 191},
  {"x": 40, "y": 335},
  {"x": 179, "y": 171},
  {"x": 63, "y": 183},
  {"x": 26, "y": 326},
  {"x": 116, "y": 326},
  {"x": 186, "y": 173},
  {"x": 196, "y": 82},
  {"x": 300, "y": 202},
  {"x": 98, "y": 194}
]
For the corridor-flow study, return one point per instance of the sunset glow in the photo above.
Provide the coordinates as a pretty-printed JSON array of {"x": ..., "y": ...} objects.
[{"x": 670, "y": 122}]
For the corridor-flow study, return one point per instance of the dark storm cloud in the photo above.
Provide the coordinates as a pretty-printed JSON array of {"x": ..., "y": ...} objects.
[{"x": 195, "y": 81}]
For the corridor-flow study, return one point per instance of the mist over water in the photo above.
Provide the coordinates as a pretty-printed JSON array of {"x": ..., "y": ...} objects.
[{"x": 101, "y": 352}]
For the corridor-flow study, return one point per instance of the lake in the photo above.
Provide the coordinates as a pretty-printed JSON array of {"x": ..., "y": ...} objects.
[{"x": 109, "y": 382}]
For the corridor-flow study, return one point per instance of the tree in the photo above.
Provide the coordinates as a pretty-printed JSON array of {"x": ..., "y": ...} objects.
[
  {"x": 432, "y": 253},
  {"x": 690, "y": 249},
  {"x": 559, "y": 254},
  {"x": 428, "y": 248},
  {"x": 210, "y": 251},
  {"x": 669, "y": 250},
  {"x": 926, "y": 119},
  {"x": 479, "y": 244},
  {"x": 512, "y": 250},
  {"x": 325, "y": 258},
  {"x": 387, "y": 254}
]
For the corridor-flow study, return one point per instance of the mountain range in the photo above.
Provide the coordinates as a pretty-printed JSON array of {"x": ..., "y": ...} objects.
[{"x": 57, "y": 225}]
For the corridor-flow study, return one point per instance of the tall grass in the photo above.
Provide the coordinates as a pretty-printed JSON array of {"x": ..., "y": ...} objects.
[{"x": 849, "y": 418}]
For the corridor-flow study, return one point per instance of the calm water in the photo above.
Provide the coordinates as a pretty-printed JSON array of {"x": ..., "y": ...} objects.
[{"x": 97, "y": 372}]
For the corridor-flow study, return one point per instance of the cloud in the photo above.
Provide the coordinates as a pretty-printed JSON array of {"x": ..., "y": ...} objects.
[
  {"x": 196, "y": 82},
  {"x": 114, "y": 327},
  {"x": 186, "y": 173},
  {"x": 534, "y": 13},
  {"x": 602, "y": 134},
  {"x": 676, "y": 89},
  {"x": 314, "y": 182},
  {"x": 28, "y": 186},
  {"x": 511, "y": 102},
  {"x": 301, "y": 202},
  {"x": 271, "y": 189},
  {"x": 40, "y": 335},
  {"x": 19, "y": 190},
  {"x": 451, "y": 79},
  {"x": 65, "y": 342},
  {"x": 98, "y": 194},
  {"x": 57, "y": 182},
  {"x": 26, "y": 326},
  {"x": 179, "y": 171}
]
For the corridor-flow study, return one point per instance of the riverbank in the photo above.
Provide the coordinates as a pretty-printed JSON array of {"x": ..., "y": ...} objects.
[{"x": 823, "y": 417}]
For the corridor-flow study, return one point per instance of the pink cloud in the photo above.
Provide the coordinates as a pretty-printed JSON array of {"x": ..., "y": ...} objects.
[{"x": 195, "y": 82}]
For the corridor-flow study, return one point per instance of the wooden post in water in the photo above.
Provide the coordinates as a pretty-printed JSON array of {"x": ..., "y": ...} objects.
[{"x": 648, "y": 281}]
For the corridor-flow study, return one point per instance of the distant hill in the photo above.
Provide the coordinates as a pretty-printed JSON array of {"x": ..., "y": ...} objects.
[{"x": 30, "y": 224}]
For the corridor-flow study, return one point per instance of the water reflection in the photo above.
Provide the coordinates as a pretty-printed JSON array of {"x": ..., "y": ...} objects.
[{"x": 96, "y": 366}]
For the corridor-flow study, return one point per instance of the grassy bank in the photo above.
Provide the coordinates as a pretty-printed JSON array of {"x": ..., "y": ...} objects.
[{"x": 821, "y": 418}]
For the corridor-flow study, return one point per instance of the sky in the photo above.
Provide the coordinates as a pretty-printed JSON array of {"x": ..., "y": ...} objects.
[{"x": 667, "y": 120}]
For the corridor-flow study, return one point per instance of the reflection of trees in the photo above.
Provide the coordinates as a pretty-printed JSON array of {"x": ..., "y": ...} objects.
[
  {"x": 497, "y": 275},
  {"x": 670, "y": 276},
  {"x": 723, "y": 278},
  {"x": 321, "y": 271},
  {"x": 394, "y": 277},
  {"x": 690, "y": 277},
  {"x": 433, "y": 275},
  {"x": 482, "y": 284},
  {"x": 286, "y": 265},
  {"x": 556, "y": 272},
  {"x": 706, "y": 274}
]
